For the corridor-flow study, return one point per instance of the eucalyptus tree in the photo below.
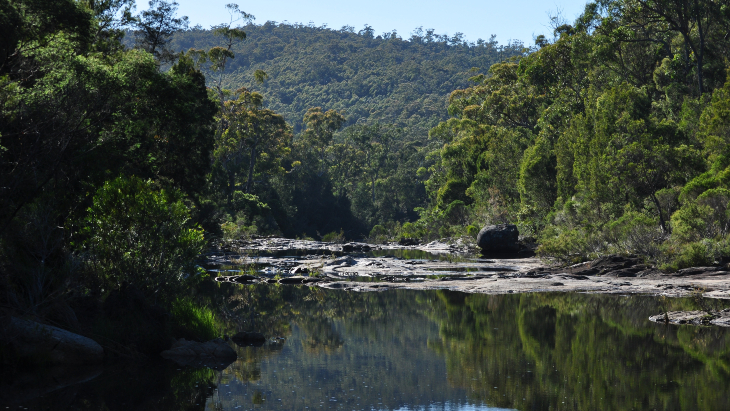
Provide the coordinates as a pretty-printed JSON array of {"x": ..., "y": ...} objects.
[
  {"x": 317, "y": 137},
  {"x": 155, "y": 27},
  {"x": 254, "y": 137},
  {"x": 376, "y": 143}
]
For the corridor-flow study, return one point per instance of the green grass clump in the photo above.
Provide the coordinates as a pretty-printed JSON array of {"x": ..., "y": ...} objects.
[{"x": 194, "y": 321}]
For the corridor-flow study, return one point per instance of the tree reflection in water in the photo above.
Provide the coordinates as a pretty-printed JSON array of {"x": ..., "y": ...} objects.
[{"x": 403, "y": 349}]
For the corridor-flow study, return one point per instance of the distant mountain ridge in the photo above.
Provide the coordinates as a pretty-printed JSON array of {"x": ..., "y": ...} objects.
[{"x": 368, "y": 78}]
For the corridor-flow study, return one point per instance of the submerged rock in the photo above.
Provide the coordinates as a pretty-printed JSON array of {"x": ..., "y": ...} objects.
[
  {"x": 298, "y": 279},
  {"x": 244, "y": 338},
  {"x": 52, "y": 344},
  {"x": 719, "y": 318},
  {"x": 501, "y": 238},
  {"x": 216, "y": 348},
  {"x": 408, "y": 241},
  {"x": 350, "y": 247}
]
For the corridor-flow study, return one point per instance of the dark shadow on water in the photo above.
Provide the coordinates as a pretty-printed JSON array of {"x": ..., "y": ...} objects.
[
  {"x": 523, "y": 253},
  {"x": 157, "y": 385}
]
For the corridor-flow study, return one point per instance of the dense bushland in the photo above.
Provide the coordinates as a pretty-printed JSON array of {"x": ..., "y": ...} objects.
[
  {"x": 103, "y": 159},
  {"x": 611, "y": 138}
]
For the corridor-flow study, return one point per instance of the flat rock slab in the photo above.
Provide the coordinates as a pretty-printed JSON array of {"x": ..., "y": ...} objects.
[
  {"x": 278, "y": 245},
  {"x": 719, "y": 318},
  {"x": 506, "y": 283}
]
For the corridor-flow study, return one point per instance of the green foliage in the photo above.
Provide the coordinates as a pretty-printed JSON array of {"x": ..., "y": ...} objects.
[
  {"x": 536, "y": 184},
  {"x": 140, "y": 235},
  {"x": 379, "y": 234},
  {"x": 631, "y": 234},
  {"x": 472, "y": 231},
  {"x": 76, "y": 109},
  {"x": 635, "y": 233},
  {"x": 252, "y": 142},
  {"x": 194, "y": 320},
  {"x": 155, "y": 27},
  {"x": 570, "y": 246},
  {"x": 692, "y": 254},
  {"x": 334, "y": 237}
]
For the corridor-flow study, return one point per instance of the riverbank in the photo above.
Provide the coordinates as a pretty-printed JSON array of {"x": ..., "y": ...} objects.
[{"x": 457, "y": 267}]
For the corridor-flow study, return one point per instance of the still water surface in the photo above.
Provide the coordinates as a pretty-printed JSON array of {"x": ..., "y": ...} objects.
[{"x": 435, "y": 350}]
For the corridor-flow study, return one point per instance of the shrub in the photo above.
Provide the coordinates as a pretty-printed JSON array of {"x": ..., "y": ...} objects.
[
  {"x": 472, "y": 231},
  {"x": 690, "y": 223},
  {"x": 409, "y": 230},
  {"x": 635, "y": 233},
  {"x": 567, "y": 246},
  {"x": 694, "y": 254},
  {"x": 238, "y": 229},
  {"x": 140, "y": 235},
  {"x": 334, "y": 237},
  {"x": 250, "y": 204},
  {"x": 378, "y": 234}
]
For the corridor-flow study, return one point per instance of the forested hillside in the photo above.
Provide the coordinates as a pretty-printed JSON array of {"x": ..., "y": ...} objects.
[
  {"x": 357, "y": 108},
  {"x": 366, "y": 77}
]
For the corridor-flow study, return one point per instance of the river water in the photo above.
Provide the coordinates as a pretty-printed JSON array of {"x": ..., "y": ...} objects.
[{"x": 422, "y": 350}]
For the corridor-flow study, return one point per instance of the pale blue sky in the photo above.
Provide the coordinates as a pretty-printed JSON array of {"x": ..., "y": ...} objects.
[{"x": 516, "y": 19}]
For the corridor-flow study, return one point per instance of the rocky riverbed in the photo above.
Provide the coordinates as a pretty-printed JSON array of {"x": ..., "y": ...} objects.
[{"x": 457, "y": 266}]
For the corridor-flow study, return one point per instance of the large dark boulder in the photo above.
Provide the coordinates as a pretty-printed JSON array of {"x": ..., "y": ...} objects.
[
  {"x": 51, "y": 344},
  {"x": 501, "y": 238}
]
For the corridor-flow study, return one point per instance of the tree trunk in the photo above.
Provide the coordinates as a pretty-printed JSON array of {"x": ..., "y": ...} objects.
[
  {"x": 251, "y": 164},
  {"x": 701, "y": 51},
  {"x": 231, "y": 186},
  {"x": 372, "y": 190},
  {"x": 662, "y": 222}
]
